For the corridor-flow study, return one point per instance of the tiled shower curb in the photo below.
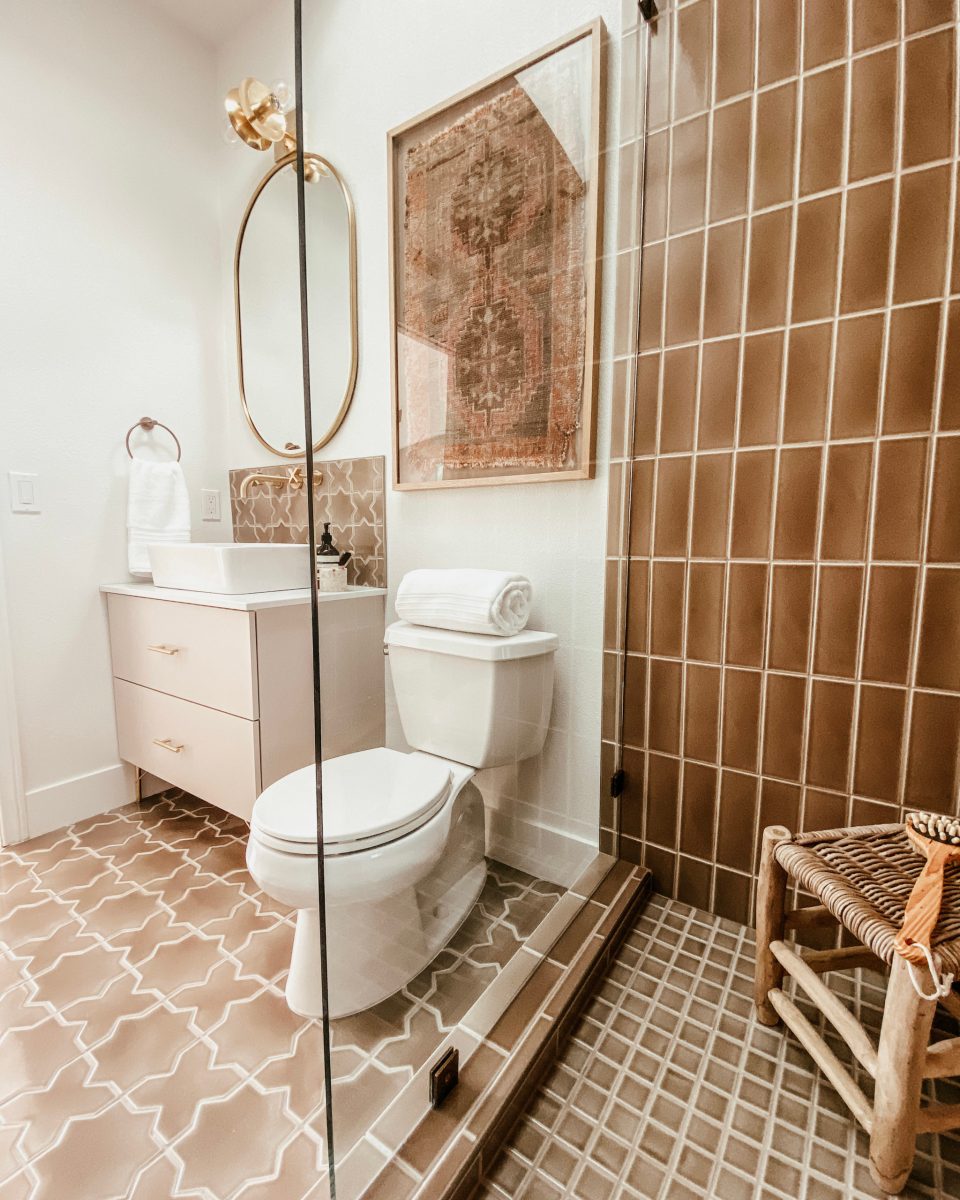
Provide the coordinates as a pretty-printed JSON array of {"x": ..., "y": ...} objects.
[{"x": 443, "y": 1157}]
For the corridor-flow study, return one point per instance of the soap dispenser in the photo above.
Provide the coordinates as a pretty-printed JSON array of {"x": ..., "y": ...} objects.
[{"x": 331, "y": 564}]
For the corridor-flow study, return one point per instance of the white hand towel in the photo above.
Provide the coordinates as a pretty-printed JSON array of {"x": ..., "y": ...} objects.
[
  {"x": 470, "y": 600},
  {"x": 158, "y": 510}
]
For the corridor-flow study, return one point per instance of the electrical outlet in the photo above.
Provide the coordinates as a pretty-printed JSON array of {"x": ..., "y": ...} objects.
[
  {"x": 210, "y": 504},
  {"x": 24, "y": 492}
]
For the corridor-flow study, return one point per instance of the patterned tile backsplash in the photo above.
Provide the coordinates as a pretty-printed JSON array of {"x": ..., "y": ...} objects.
[{"x": 350, "y": 496}]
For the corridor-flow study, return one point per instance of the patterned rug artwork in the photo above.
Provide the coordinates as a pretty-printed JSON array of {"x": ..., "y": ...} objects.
[
  {"x": 143, "y": 1028},
  {"x": 493, "y": 237}
]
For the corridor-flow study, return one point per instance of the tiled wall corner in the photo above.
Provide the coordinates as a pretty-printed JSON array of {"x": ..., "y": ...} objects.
[
  {"x": 783, "y": 552},
  {"x": 350, "y": 496}
]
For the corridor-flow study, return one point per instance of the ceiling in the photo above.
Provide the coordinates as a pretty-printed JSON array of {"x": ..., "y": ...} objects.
[{"x": 212, "y": 21}]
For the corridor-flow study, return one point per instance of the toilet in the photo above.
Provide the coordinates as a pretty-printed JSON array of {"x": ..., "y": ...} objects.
[{"x": 403, "y": 833}]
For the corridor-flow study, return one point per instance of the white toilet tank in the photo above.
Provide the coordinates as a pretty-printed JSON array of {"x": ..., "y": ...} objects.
[{"x": 479, "y": 700}]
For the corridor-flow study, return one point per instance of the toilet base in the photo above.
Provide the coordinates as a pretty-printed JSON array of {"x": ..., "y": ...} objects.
[{"x": 374, "y": 950}]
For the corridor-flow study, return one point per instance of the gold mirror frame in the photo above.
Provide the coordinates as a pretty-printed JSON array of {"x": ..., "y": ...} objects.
[{"x": 327, "y": 167}]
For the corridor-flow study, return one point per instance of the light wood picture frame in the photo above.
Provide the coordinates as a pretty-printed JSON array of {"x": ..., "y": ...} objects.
[{"x": 495, "y": 253}]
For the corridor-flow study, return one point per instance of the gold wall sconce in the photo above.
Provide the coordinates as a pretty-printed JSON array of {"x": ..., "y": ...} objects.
[{"x": 262, "y": 117}]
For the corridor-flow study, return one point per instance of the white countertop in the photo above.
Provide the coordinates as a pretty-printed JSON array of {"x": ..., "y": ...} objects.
[{"x": 249, "y": 602}]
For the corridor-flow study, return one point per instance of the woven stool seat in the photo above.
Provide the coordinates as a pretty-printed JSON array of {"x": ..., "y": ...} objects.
[{"x": 864, "y": 876}]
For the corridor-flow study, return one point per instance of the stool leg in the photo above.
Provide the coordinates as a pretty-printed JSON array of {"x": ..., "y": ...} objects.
[
  {"x": 771, "y": 903},
  {"x": 904, "y": 1037}
]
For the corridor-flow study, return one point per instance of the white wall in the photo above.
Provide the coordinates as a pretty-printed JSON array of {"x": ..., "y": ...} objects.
[
  {"x": 109, "y": 310},
  {"x": 369, "y": 66}
]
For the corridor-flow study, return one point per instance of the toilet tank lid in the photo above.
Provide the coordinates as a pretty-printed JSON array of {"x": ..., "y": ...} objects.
[{"x": 527, "y": 644}]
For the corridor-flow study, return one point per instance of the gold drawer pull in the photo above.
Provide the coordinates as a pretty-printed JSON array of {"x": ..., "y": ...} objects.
[
  {"x": 167, "y": 744},
  {"x": 164, "y": 649}
]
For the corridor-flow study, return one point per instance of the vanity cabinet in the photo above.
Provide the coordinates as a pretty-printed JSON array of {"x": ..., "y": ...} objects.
[{"x": 214, "y": 694}]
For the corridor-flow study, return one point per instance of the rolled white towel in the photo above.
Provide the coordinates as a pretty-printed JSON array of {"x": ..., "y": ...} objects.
[{"x": 470, "y": 600}]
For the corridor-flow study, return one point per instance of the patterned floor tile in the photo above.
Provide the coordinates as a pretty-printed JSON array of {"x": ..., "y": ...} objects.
[{"x": 143, "y": 1028}]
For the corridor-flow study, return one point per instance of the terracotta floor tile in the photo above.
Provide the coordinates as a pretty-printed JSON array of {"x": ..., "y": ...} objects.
[
  {"x": 86, "y": 1164},
  {"x": 300, "y": 1164},
  {"x": 176, "y": 1095},
  {"x": 29, "y": 1058},
  {"x": 25, "y": 921},
  {"x": 94, "y": 1019},
  {"x": 159, "y": 956},
  {"x": 157, "y": 1182},
  {"x": 84, "y": 975},
  {"x": 208, "y": 1000},
  {"x": 143, "y": 1044},
  {"x": 256, "y": 1029},
  {"x": 220, "y": 1154},
  {"x": 175, "y": 963},
  {"x": 267, "y": 953},
  {"x": 72, "y": 1093}
]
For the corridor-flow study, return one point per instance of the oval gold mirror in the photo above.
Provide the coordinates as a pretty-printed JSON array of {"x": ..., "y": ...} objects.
[{"x": 267, "y": 305}]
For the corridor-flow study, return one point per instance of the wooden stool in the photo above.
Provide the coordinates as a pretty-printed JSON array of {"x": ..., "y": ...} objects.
[{"x": 863, "y": 879}]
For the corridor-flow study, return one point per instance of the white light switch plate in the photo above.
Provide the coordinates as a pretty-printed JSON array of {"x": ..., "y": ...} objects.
[
  {"x": 209, "y": 504},
  {"x": 24, "y": 492}
]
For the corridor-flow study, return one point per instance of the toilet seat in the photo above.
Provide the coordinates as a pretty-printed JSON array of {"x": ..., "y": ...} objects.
[{"x": 369, "y": 799}]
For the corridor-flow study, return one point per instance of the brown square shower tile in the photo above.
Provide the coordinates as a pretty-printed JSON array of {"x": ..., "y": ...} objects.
[
  {"x": 679, "y": 399},
  {"x": 734, "y": 50},
  {"x": 928, "y": 115},
  {"x": 731, "y": 159},
  {"x": 705, "y": 611},
  {"x": 944, "y": 544},
  {"x": 773, "y": 145},
  {"x": 779, "y": 37},
  {"x": 921, "y": 235},
  {"x": 747, "y": 607},
  {"x": 710, "y": 505},
  {"x": 769, "y": 257},
  {"x": 760, "y": 389},
  {"x": 825, "y": 33},
  {"x": 815, "y": 263},
  {"x": 898, "y": 520},
  {"x": 751, "y": 504},
  {"x": 879, "y": 738},
  {"x": 790, "y": 617},
  {"x": 828, "y": 752},
  {"x": 873, "y": 23},
  {"x": 808, "y": 383},
  {"x": 798, "y": 499},
  {"x": 857, "y": 377},
  {"x": 889, "y": 614},
  {"x": 846, "y": 501},
  {"x": 938, "y": 662},
  {"x": 723, "y": 285},
  {"x": 866, "y": 247},
  {"x": 687, "y": 180},
  {"x": 702, "y": 712},
  {"x": 911, "y": 368},
  {"x": 692, "y": 27},
  {"x": 821, "y": 146}
]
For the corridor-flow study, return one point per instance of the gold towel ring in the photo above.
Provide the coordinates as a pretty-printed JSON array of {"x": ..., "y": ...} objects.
[{"x": 149, "y": 423}]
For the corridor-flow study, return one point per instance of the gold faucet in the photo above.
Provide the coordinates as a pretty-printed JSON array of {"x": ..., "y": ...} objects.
[{"x": 294, "y": 479}]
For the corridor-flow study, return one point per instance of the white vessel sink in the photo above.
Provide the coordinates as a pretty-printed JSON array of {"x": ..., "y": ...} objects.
[{"x": 230, "y": 568}]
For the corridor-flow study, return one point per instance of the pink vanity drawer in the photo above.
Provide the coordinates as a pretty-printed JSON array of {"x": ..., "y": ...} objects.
[
  {"x": 218, "y": 756},
  {"x": 207, "y": 655}
]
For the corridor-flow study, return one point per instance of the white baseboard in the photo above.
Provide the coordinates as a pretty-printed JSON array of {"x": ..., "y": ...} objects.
[
  {"x": 550, "y": 854},
  {"x": 60, "y": 804}
]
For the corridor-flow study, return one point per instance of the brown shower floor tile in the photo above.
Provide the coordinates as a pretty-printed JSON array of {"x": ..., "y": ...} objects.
[
  {"x": 146, "y": 1049},
  {"x": 670, "y": 1090}
]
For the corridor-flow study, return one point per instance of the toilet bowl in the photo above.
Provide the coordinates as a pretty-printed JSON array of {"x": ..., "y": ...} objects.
[
  {"x": 403, "y": 833},
  {"x": 403, "y": 866}
]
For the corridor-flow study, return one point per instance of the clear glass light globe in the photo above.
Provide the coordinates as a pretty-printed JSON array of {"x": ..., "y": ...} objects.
[
  {"x": 227, "y": 131},
  {"x": 284, "y": 95}
]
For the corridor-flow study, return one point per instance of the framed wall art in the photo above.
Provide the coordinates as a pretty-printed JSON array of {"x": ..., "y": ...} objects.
[{"x": 495, "y": 256}]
